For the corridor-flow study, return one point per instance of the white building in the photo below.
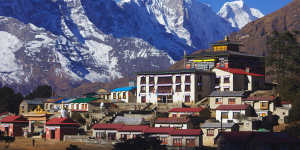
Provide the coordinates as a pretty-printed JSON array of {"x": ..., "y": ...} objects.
[
  {"x": 181, "y": 86},
  {"x": 178, "y": 123},
  {"x": 233, "y": 79},
  {"x": 124, "y": 94},
  {"x": 217, "y": 98},
  {"x": 232, "y": 113}
]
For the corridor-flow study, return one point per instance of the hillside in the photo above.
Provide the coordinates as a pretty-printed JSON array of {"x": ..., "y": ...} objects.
[{"x": 254, "y": 35}]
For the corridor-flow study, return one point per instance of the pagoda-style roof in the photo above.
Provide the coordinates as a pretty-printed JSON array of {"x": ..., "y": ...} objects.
[{"x": 211, "y": 53}]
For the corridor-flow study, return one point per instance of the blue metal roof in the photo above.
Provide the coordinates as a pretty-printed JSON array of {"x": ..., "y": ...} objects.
[
  {"x": 128, "y": 88},
  {"x": 65, "y": 100}
]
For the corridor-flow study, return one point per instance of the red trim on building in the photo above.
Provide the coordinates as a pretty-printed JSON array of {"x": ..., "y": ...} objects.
[
  {"x": 239, "y": 71},
  {"x": 14, "y": 119},
  {"x": 187, "y": 132},
  {"x": 172, "y": 120},
  {"x": 134, "y": 128},
  {"x": 199, "y": 109},
  {"x": 108, "y": 126},
  {"x": 159, "y": 130},
  {"x": 62, "y": 121},
  {"x": 233, "y": 107}
]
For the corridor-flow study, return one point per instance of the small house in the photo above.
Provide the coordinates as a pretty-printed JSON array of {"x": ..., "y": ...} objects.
[
  {"x": 261, "y": 105},
  {"x": 83, "y": 104},
  {"x": 106, "y": 131},
  {"x": 163, "y": 134},
  {"x": 124, "y": 94},
  {"x": 13, "y": 125},
  {"x": 232, "y": 113},
  {"x": 56, "y": 128},
  {"x": 217, "y": 98},
  {"x": 212, "y": 129},
  {"x": 235, "y": 79},
  {"x": 129, "y": 132},
  {"x": 186, "y": 138},
  {"x": 179, "y": 123}
]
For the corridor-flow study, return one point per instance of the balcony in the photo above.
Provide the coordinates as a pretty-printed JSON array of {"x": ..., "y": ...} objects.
[{"x": 164, "y": 80}]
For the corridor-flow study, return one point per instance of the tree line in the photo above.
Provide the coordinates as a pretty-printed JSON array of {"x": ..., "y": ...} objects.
[{"x": 10, "y": 100}]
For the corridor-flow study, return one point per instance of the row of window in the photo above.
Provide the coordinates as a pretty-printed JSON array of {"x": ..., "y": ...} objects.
[
  {"x": 236, "y": 115},
  {"x": 165, "y": 80},
  {"x": 166, "y": 99},
  {"x": 122, "y": 95},
  {"x": 220, "y": 101},
  {"x": 166, "y": 89},
  {"x": 225, "y": 80},
  {"x": 76, "y": 106}
]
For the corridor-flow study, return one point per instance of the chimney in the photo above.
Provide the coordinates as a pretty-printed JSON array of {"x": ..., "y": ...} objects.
[{"x": 247, "y": 69}]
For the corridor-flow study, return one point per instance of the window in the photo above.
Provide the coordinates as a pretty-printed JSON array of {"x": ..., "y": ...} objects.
[
  {"x": 187, "y": 79},
  {"x": 224, "y": 115},
  {"x": 143, "y": 80},
  {"x": 174, "y": 115},
  {"x": 187, "y": 88},
  {"x": 178, "y": 88},
  {"x": 164, "y": 140},
  {"x": 178, "y": 79},
  {"x": 219, "y": 100},
  {"x": 231, "y": 101},
  {"x": 124, "y": 95},
  {"x": 187, "y": 99},
  {"x": 119, "y": 95},
  {"x": 217, "y": 81},
  {"x": 226, "y": 79},
  {"x": 226, "y": 89},
  {"x": 188, "y": 66},
  {"x": 236, "y": 115},
  {"x": 177, "y": 142},
  {"x": 151, "y": 89},
  {"x": 143, "y": 89},
  {"x": 164, "y": 89},
  {"x": 151, "y": 80},
  {"x": 264, "y": 105},
  {"x": 164, "y": 80},
  {"x": 143, "y": 99},
  {"x": 114, "y": 95},
  {"x": 210, "y": 132},
  {"x": 190, "y": 142},
  {"x": 124, "y": 136}
]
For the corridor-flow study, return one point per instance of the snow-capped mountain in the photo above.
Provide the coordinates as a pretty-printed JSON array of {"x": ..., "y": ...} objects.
[
  {"x": 238, "y": 14},
  {"x": 63, "y": 43}
]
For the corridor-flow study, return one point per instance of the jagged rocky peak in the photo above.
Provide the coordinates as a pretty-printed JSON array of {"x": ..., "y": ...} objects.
[{"x": 238, "y": 13}]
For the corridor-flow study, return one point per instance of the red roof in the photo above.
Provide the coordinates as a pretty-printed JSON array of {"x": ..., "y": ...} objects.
[
  {"x": 172, "y": 120},
  {"x": 239, "y": 71},
  {"x": 62, "y": 121},
  {"x": 14, "y": 119},
  {"x": 108, "y": 126},
  {"x": 186, "y": 132},
  {"x": 260, "y": 98},
  {"x": 233, "y": 107},
  {"x": 199, "y": 109},
  {"x": 159, "y": 130},
  {"x": 133, "y": 128}
]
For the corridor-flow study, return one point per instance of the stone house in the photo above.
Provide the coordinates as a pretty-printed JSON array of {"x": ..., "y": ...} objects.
[
  {"x": 217, "y": 98},
  {"x": 212, "y": 129}
]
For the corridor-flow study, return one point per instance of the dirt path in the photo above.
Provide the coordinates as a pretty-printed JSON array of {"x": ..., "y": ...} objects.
[{"x": 26, "y": 144}]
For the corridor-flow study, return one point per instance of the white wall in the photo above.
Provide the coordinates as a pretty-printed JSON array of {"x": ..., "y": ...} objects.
[{"x": 230, "y": 115}]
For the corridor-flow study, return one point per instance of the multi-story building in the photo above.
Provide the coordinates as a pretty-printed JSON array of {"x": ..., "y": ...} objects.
[
  {"x": 225, "y": 54},
  {"x": 179, "y": 86},
  {"x": 124, "y": 94},
  {"x": 234, "y": 79},
  {"x": 217, "y": 98}
]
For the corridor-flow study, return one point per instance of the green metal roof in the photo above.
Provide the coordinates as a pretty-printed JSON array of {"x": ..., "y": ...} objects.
[{"x": 84, "y": 100}]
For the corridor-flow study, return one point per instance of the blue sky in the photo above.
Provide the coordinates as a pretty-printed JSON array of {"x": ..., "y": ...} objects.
[{"x": 265, "y": 6}]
